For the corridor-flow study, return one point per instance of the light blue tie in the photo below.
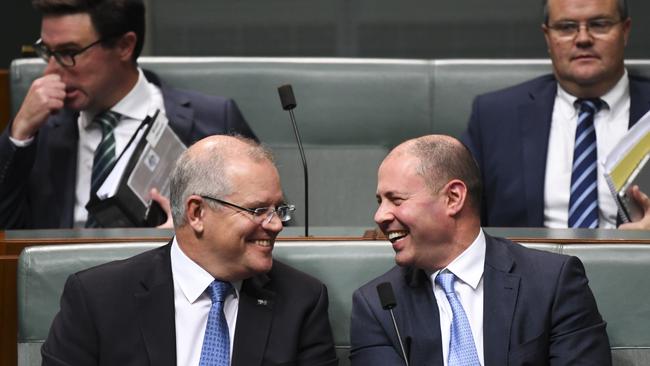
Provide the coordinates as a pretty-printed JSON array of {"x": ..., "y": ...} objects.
[
  {"x": 583, "y": 200},
  {"x": 216, "y": 341},
  {"x": 462, "y": 350}
]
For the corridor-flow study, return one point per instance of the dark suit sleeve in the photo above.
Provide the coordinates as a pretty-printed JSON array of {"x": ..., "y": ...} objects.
[
  {"x": 316, "y": 346},
  {"x": 72, "y": 340},
  {"x": 472, "y": 139},
  {"x": 370, "y": 345},
  {"x": 578, "y": 335},
  {"x": 15, "y": 165},
  {"x": 235, "y": 122}
]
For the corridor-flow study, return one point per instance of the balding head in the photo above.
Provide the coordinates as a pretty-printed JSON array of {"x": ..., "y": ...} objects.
[
  {"x": 203, "y": 169},
  {"x": 443, "y": 158}
]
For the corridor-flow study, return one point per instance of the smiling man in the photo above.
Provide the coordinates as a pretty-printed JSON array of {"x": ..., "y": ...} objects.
[
  {"x": 214, "y": 295},
  {"x": 79, "y": 116},
  {"x": 464, "y": 297},
  {"x": 541, "y": 145}
]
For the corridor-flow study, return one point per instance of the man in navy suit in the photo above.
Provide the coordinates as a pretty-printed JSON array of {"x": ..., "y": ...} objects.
[
  {"x": 506, "y": 305},
  {"x": 523, "y": 137},
  {"x": 47, "y": 151},
  {"x": 154, "y": 308}
]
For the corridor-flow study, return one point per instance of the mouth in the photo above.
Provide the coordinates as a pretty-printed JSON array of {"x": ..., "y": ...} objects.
[
  {"x": 584, "y": 57},
  {"x": 397, "y": 235},
  {"x": 264, "y": 243}
]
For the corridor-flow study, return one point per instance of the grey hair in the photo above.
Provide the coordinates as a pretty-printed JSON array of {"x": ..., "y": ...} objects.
[
  {"x": 623, "y": 10},
  {"x": 206, "y": 174}
]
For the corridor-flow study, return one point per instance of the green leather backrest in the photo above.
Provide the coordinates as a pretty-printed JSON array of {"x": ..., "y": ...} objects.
[{"x": 616, "y": 273}]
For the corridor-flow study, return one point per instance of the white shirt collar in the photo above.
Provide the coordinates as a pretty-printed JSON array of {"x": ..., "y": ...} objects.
[
  {"x": 614, "y": 98},
  {"x": 190, "y": 277},
  {"x": 468, "y": 266},
  {"x": 134, "y": 105}
]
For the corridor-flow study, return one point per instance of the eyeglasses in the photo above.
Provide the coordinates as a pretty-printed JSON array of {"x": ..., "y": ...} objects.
[
  {"x": 262, "y": 215},
  {"x": 595, "y": 27},
  {"x": 65, "y": 58}
]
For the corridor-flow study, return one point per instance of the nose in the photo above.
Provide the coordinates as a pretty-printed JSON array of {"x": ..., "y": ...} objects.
[
  {"x": 52, "y": 66},
  {"x": 584, "y": 37},
  {"x": 273, "y": 223},
  {"x": 383, "y": 214}
]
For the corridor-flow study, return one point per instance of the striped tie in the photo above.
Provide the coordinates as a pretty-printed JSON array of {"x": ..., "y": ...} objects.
[
  {"x": 462, "y": 350},
  {"x": 216, "y": 340},
  {"x": 104, "y": 155},
  {"x": 583, "y": 201}
]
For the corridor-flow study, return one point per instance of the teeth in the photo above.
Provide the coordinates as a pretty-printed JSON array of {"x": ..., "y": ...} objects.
[
  {"x": 394, "y": 235},
  {"x": 263, "y": 243}
]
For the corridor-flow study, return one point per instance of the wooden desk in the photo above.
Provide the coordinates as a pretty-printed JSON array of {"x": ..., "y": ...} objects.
[{"x": 13, "y": 242}]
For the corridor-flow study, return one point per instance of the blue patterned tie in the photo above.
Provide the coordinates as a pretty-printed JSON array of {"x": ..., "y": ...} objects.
[
  {"x": 583, "y": 201},
  {"x": 462, "y": 350},
  {"x": 104, "y": 155},
  {"x": 216, "y": 341}
]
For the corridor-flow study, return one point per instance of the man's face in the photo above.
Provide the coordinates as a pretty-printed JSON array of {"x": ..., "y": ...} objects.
[
  {"x": 586, "y": 60},
  {"x": 243, "y": 244},
  {"x": 410, "y": 214},
  {"x": 96, "y": 81}
]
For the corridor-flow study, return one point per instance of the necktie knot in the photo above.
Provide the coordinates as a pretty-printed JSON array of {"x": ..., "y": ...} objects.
[
  {"x": 591, "y": 105},
  {"x": 107, "y": 120},
  {"x": 446, "y": 281},
  {"x": 218, "y": 290}
]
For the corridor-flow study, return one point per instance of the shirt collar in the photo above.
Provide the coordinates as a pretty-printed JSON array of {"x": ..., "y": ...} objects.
[
  {"x": 190, "y": 277},
  {"x": 468, "y": 266},
  {"x": 134, "y": 105},
  {"x": 614, "y": 98}
]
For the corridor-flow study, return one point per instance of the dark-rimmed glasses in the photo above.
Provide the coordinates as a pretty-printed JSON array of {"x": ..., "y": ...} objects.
[
  {"x": 64, "y": 58},
  {"x": 262, "y": 215},
  {"x": 596, "y": 27}
]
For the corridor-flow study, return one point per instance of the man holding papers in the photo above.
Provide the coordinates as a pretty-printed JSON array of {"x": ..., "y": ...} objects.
[
  {"x": 541, "y": 145},
  {"x": 77, "y": 118}
]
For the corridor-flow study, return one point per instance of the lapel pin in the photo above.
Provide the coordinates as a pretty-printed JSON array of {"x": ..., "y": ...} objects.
[{"x": 262, "y": 302}]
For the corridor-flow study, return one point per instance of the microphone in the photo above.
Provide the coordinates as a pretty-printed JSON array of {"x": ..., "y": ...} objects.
[
  {"x": 288, "y": 101},
  {"x": 388, "y": 302}
]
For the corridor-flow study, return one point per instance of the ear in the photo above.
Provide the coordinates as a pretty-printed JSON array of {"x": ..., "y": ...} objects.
[
  {"x": 627, "y": 25},
  {"x": 547, "y": 37},
  {"x": 194, "y": 213},
  {"x": 126, "y": 45},
  {"x": 456, "y": 194}
]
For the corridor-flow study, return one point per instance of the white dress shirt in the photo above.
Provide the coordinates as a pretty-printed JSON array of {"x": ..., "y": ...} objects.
[
  {"x": 142, "y": 101},
  {"x": 468, "y": 269},
  {"x": 611, "y": 123},
  {"x": 192, "y": 305}
]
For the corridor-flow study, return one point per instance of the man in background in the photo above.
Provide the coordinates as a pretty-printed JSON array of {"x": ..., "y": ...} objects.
[
  {"x": 214, "y": 295},
  {"x": 541, "y": 145},
  {"x": 79, "y": 116}
]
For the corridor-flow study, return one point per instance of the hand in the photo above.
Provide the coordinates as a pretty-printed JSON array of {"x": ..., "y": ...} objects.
[
  {"x": 164, "y": 204},
  {"x": 45, "y": 96},
  {"x": 644, "y": 203}
]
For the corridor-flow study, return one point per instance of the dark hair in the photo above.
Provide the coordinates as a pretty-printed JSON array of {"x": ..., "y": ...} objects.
[
  {"x": 623, "y": 10},
  {"x": 442, "y": 159},
  {"x": 111, "y": 18}
]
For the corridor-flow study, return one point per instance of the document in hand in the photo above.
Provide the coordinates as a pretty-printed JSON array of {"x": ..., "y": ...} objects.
[
  {"x": 123, "y": 199},
  {"x": 626, "y": 165}
]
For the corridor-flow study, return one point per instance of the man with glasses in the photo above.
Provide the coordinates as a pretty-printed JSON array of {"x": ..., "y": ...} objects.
[
  {"x": 541, "y": 144},
  {"x": 160, "y": 307},
  {"x": 90, "y": 100}
]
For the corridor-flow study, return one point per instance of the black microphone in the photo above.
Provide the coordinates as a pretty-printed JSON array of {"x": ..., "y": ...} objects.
[
  {"x": 388, "y": 302},
  {"x": 288, "y": 101}
]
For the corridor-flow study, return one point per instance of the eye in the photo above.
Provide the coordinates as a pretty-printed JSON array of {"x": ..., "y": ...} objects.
[
  {"x": 565, "y": 27},
  {"x": 600, "y": 24}
]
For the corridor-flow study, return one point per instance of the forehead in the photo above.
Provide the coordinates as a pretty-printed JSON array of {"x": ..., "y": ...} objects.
[
  {"x": 581, "y": 9},
  {"x": 254, "y": 181},
  {"x": 398, "y": 173},
  {"x": 69, "y": 28}
]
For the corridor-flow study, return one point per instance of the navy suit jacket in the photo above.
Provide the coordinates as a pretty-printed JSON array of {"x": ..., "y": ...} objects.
[
  {"x": 122, "y": 313},
  {"x": 537, "y": 310},
  {"x": 37, "y": 183},
  {"x": 508, "y": 135}
]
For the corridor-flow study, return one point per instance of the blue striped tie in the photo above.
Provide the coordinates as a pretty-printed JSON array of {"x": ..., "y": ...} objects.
[
  {"x": 462, "y": 350},
  {"x": 216, "y": 341},
  {"x": 104, "y": 155},
  {"x": 583, "y": 201}
]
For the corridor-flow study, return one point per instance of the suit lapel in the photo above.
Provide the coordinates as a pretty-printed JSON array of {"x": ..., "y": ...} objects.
[
  {"x": 500, "y": 297},
  {"x": 421, "y": 313},
  {"x": 253, "y": 322},
  {"x": 64, "y": 138},
  {"x": 535, "y": 127},
  {"x": 639, "y": 100},
  {"x": 155, "y": 310},
  {"x": 178, "y": 109}
]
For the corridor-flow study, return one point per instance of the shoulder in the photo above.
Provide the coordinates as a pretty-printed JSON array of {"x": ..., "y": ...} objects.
[
  {"x": 526, "y": 261},
  {"x": 521, "y": 89},
  {"x": 183, "y": 96},
  {"x": 286, "y": 279}
]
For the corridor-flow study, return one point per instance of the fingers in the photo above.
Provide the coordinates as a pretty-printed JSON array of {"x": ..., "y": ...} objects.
[
  {"x": 45, "y": 96},
  {"x": 643, "y": 202},
  {"x": 165, "y": 205}
]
